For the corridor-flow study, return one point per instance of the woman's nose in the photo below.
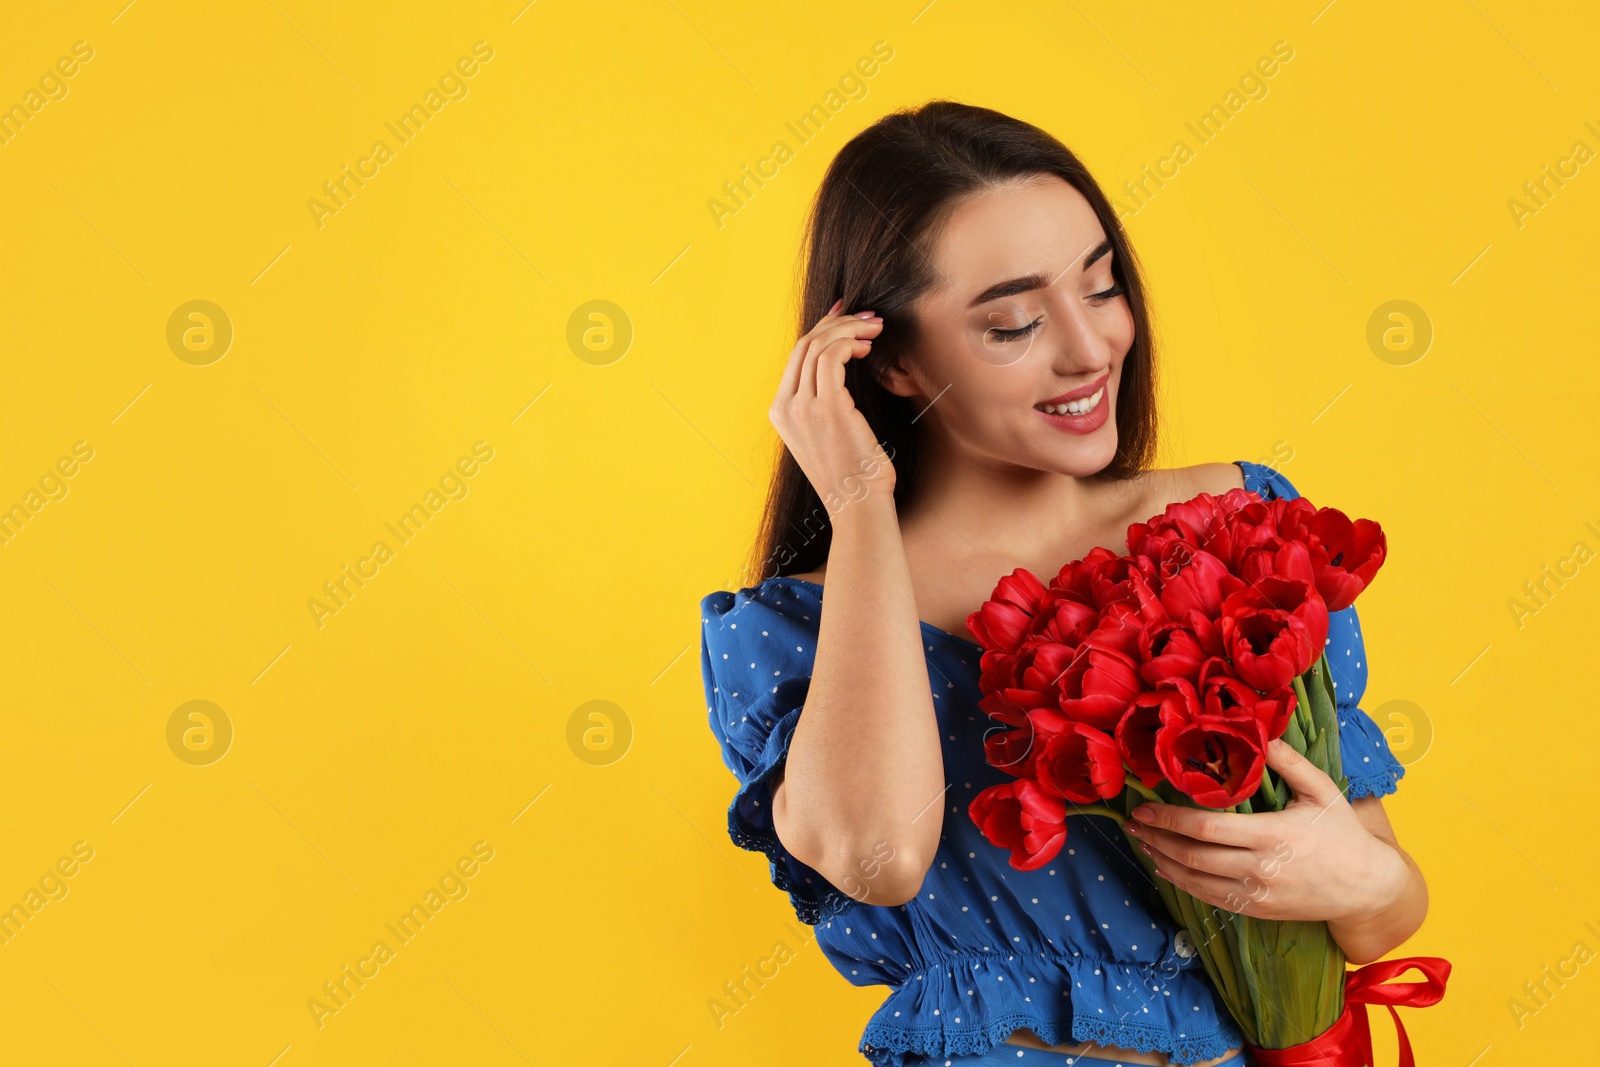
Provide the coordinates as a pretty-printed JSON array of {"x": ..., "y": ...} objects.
[{"x": 1079, "y": 345}]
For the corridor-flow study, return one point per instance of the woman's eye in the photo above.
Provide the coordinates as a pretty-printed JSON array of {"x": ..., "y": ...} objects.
[
  {"x": 1109, "y": 294},
  {"x": 1014, "y": 335}
]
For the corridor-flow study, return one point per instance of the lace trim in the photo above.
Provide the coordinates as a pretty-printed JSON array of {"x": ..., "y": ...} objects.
[
  {"x": 1374, "y": 783},
  {"x": 888, "y": 1046},
  {"x": 1377, "y": 781},
  {"x": 808, "y": 905}
]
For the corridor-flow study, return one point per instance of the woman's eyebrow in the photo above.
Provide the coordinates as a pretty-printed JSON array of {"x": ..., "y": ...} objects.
[
  {"x": 1010, "y": 288},
  {"x": 1029, "y": 282},
  {"x": 1101, "y": 249}
]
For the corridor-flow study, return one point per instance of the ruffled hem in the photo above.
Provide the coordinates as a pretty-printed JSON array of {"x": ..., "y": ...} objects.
[
  {"x": 889, "y": 1043},
  {"x": 813, "y": 897},
  {"x": 1378, "y": 784},
  {"x": 754, "y": 730},
  {"x": 1369, "y": 765},
  {"x": 811, "y": 905}
]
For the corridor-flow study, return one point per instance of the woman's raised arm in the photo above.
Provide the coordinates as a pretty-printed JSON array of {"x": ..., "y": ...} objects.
[{"x": 859, "y": 798}]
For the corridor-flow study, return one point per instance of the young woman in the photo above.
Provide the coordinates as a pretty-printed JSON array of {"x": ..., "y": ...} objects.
[{"x": 974, "y": 392}]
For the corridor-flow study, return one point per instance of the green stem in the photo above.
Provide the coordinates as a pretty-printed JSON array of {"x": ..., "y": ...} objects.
[
  {"x": 1134, "y": 784},
  {"x": 1302, "y": 709},
  {"x": 1096, "y": 809}
]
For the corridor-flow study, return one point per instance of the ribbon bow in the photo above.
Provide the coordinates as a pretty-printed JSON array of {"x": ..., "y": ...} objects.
[{"x": 1348, "y": 1042}]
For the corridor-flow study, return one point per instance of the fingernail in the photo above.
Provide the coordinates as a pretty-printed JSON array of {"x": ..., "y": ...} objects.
[
  {"x": 863, "y": 314},
  {"x": 1144, "y": 813},
  {"x": 1131, "y": 827},
  {"x": 836, "y": 304},
  {"x": 875, "y": 318},
  {"x": 1146, "y": 848}
]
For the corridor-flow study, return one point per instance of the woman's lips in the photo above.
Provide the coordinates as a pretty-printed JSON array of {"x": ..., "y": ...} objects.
[
  {"x": 1081, "y": 391},
  {"x": 1089, "y": 421}
]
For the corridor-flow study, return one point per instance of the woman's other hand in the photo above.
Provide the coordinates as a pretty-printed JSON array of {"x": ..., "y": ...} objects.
[{"x": 1317, "y": 859}]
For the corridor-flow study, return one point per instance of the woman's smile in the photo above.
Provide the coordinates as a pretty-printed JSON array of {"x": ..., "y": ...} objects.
[{"x": 1079, "y": 414}]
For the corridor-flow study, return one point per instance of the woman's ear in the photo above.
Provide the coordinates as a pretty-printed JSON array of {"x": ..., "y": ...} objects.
[{"x": 894, "y": 377}]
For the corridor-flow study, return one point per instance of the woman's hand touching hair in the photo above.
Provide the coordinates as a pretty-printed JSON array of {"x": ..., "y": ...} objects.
[{"x": 817, "y": 419}]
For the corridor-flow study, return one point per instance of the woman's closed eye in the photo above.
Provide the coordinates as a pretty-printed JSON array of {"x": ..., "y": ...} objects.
[{"x": 1003, "y": 335}]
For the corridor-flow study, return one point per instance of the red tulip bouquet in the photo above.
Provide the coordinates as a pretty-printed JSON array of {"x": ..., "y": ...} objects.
[{"x": 1163, "y": 675}]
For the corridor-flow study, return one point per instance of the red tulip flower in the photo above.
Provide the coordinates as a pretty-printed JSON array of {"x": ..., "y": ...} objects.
[
  {"x": 1007, "y": 616},
  {"x": 1218, "y": 762},
  {"x": 1080, "y": 763},
  {"x": 1097, "y": 686},
  {"x": 1174, "y": 701},
  {"x": 1024, "y": 817},
  {"x": 1346, "y": 555}
]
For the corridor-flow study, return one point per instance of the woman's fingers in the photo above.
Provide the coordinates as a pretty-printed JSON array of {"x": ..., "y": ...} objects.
[
  {"x": 1226, "y": 861},
  {"x": 816, "y": 353},
  {"x": 788, "y": 385},
  {"x": 1218, "y": 890},
  {"x": 808, "y": 370},
  {"x": 831, "y": 367},
  {"x": 790, "y": 382},
  {"x": 1221, "y": 827},
  {"x": 827, "y": 370},
  {"x": 850, "y": 329}
]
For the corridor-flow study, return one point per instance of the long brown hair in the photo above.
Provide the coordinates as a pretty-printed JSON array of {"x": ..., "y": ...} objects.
[{"x": 868, "y": 238}]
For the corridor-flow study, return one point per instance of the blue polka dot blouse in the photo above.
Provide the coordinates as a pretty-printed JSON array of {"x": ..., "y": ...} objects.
[{"x": 1078, "y": 950}]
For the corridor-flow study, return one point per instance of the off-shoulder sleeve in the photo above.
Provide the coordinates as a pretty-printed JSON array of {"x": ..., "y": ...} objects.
[
  {"x": 756, "y": 655},
  {"x": 1368, "y": 762},
  {"x": 1267, "y": 481}
]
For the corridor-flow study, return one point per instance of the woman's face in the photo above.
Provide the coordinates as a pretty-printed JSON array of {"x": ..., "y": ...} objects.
[{"x": 1025, "y": 310}]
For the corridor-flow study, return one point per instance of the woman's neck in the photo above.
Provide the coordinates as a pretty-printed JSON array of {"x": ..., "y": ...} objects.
[{"x": 966, "y": 504}]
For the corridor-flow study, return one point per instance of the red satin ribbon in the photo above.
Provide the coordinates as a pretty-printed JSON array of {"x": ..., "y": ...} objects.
[{"x": 1348, "y": 1042}]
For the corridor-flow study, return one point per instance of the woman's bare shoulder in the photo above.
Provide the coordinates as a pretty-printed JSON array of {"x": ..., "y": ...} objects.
[
  {"x": 1215, "y": 478},
  {"x": 1169, "y": 485}
]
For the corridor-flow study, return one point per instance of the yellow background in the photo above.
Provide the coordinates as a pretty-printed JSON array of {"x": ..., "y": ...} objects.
[{"x": 433, "y": 710}]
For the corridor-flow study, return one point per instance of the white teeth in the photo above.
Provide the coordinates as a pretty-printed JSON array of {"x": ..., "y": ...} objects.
[{"x": 1074, "y": 407}]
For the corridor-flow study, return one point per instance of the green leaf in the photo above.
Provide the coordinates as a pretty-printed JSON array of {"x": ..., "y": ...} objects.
[
  {"x": 1317, "y": 750},
  {"x": 1318, "y": 685},
  {"x": 1269, "y": 791},
  {"x": 1293, "y": 737}
]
